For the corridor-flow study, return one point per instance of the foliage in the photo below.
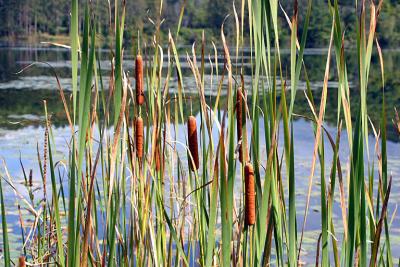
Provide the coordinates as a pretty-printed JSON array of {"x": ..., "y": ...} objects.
[
  {"x": 27, "y": 20},
  {"x": 125, "y": 210}
]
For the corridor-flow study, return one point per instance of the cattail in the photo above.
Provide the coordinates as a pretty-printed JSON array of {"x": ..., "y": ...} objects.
[
  {"x": 30, "y": 178},
  {"x": 250, "y": 204},
  {"x": 139, "y": 137},
  {"x": 239, "y": 108},
  {"x": 139, "y": 80},
  {"x": 21, "y": 262},
  {"x": 243, "y": 154},
  {"x": 192, "y": 138}
]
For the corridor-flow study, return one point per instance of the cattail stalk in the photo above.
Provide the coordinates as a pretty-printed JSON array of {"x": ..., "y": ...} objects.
[
  {"x": 139, "y": 135},
  {"x": 250, "y": 203},
  {"x": 193, "y": 147},
  {"x": 139, "y": 80}
]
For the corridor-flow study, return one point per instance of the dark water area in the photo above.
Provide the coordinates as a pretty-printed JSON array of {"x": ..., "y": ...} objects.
[
  {"x": 22, "y": 94},
  {"x": 22, "y": 119}
]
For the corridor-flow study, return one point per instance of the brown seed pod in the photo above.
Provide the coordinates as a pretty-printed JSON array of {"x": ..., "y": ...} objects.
[
  {"x": 21, "y": 261},
  {"x": 139, "y": 136},
  {"x": 139, "y": 80},
  {"x": 239, "y": 109},
  {"x": 192, "y": 138},
  {"x": 250, "y": 197},
  {"x": 30, "y": 178}
]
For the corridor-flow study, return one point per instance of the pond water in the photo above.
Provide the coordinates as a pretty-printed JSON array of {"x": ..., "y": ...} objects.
[{"x": 21, "y": 124}]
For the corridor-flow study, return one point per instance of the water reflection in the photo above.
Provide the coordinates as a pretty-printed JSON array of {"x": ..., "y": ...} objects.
[
  {"x": 21, "y": 116},
  {"x": 21, "y": 95}
]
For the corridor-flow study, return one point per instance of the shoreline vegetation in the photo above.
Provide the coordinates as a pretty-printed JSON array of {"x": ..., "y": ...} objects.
[
  {"x": 35, "y": 21},
  {"x": 141, "y": 192}
]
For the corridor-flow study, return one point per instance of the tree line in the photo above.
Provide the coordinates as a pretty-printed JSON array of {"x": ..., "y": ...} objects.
[{"x": 22, "y": 20}]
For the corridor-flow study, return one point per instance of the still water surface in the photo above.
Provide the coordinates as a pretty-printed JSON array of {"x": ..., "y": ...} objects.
[{"x": 21, "y": 125}]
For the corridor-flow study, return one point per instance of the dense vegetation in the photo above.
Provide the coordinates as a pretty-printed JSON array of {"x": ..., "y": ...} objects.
[
  {"x": 38, "y": 20},
  {"x": 141, "y": 191}
]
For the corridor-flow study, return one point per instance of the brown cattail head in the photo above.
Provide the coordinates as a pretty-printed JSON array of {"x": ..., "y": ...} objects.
[
  {"x": 139, "y": 80},
  {"x": 139, "y": 134},
  {"x": 239, "y": 108},
  {"x": 250, "y": 197},
  {"x": 21, "y": 261},
  {"x": 193, "y": 148},
  {"x": 30, "y": 178}
]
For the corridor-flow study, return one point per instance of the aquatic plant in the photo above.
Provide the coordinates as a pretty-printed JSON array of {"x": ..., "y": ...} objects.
[{"x": 138, "y": 195}]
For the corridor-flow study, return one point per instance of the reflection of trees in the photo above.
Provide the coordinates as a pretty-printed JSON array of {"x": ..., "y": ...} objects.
[
  {"x": 13, "y": 60},
  {"x": 374, "y": 102},
  {"x": 23, "y": 102}
]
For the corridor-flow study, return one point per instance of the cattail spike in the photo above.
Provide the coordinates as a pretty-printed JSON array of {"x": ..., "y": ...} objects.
[
  {"x": 139, "y": 135},
  {"x": 250, "y": 197},
  {"x": 239, "y": 108},
  {"x": 193, "y": 147},
  {"x": 243, "y": 154},
  {"x": 21, "y": 261},
  {"x": 139, "y": 80},
  {"x": 30, "y": 178}
]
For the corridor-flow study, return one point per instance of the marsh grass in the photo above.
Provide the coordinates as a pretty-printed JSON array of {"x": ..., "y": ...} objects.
[{"x": 131, "y": 199}]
